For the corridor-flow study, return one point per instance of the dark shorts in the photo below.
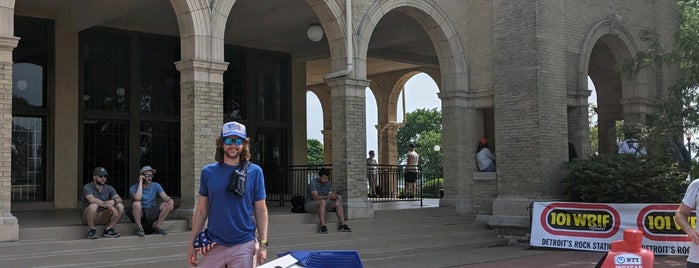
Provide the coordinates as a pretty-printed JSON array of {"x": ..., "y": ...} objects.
[
  {"x": 410, "y": 177},
  {"x": 147, "y": 214}
]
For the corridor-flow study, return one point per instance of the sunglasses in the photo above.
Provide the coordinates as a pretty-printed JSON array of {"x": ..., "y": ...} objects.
[{"x": 231, "y": 141}]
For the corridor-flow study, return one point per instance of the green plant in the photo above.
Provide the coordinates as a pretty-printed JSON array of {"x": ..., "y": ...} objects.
[
  {"x": 624, "y": 179},
  {"x": 430, "y": 188}
]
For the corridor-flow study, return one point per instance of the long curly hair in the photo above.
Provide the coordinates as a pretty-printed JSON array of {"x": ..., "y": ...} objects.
[{"x": 244, "y": 153}]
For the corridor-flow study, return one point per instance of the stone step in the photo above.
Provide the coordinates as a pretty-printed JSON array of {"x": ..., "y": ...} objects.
[
  {"x": 391, "y": 237},
  {"x": 78, "y": 231}
]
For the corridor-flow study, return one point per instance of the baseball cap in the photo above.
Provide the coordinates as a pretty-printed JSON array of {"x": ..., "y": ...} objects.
[
  {"x": 233, "y": 129},
  {"x": 100, "y": 171},
  {"x": 147, "y": 168},
  {"x": 483, "y": 141}
]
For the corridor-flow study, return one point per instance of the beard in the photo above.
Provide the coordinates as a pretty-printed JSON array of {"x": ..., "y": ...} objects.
[
  {"x": 100, "y": 183},
  {"x": 231, "y": 153}
]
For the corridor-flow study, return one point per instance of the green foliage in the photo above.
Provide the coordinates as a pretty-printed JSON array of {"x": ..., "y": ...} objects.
[
  {"x": 430, "y": 189},
  {"x": 315, "y": 152},
  {"x": 624, "y": 179},
  {"x": 423, "y": 127}
]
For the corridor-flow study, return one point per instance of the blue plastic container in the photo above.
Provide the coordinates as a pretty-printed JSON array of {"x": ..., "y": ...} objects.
[{"x": 326, "y": 258}]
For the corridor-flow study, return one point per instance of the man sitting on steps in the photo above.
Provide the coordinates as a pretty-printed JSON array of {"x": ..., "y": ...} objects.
[
  {"x": 144, "y": 209},
  {"x": 320, "y": 198}
]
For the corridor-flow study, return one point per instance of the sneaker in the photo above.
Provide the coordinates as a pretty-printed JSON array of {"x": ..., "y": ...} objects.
[
  {"x": 140, "y": 232},
  {"x": 343, "y": 228},
  {"x": 157, "y": 230},
  {"x": 111, "y": 233},
  {"x": 322, "y": 229},
  {"x": 92, "y": 234}
]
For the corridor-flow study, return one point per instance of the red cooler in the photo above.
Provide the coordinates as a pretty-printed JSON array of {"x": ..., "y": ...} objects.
[{"x": 628, "y": 253}]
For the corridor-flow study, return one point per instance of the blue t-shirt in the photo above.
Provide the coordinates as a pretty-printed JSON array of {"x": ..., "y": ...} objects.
[
  {"x": 148, "y": 195},
  {"x": 230, "y": 219}
]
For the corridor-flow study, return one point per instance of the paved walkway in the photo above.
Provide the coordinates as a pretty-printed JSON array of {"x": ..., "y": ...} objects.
[{"x": 525, "y": 257}]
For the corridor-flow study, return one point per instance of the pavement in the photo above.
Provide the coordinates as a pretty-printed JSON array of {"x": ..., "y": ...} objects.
[{"x": 511, "y": 256}]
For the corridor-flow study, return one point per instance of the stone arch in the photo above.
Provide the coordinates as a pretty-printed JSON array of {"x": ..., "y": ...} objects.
[
  {"x": 202, "y": 27},
  {"x": 606, "y": 44},
  {"x": 437, "y": 25},
  {"x": 617, "y": 35},
  {"x": 330, "y": 14}
]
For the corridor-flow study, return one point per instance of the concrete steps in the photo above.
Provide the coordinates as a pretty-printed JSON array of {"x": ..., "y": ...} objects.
[{"x": 412, "y": 237}]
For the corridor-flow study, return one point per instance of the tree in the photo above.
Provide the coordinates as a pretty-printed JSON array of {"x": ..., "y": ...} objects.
[
  {"x": 676, "y": 112},
  {"x": 423, "y": 127},
  {"x": 315, "y": 152}
]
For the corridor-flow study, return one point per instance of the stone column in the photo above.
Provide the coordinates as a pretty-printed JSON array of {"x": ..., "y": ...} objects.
[
  {"x": 388, "y": 143},
  {"x": 529, "y": 74},
  {"x": 9, "y": 226},
  {"x": 578, "y": 123},
  {"x": 349, "y": 129},
  {"x": 65, "y": 114},
  {"x": 201, "y": 117},
  {"x": 327, "y": 146},
  {"x": 299, "y": 152},
  {"x": 462, "y": 124}
]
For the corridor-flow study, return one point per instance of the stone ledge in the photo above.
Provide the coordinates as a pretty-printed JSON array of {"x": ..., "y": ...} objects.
[{"x": 484, "y": 176}]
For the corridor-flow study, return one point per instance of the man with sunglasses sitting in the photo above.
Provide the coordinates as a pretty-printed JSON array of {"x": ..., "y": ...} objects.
[
  {"x": 144, "y": 211},
  {"x": 102, "y": 205}
]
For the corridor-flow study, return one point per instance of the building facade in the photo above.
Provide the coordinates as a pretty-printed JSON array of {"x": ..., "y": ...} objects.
[{"x": 126, "y": 83}]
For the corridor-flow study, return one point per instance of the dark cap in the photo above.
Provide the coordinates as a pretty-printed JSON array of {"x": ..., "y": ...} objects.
[{"x": 100, "y": 171}]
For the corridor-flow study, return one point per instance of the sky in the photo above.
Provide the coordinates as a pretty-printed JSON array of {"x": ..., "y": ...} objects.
[{"x": 421, "y": 93}]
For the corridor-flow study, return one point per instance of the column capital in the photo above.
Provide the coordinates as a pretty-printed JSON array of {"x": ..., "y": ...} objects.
[
  {"x": 348, "y": 82},
  {"x": 201, "y": 70},
  {"x": 8, "y": 42}
]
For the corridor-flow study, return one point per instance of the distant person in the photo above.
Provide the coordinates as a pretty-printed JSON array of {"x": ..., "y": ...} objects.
[
  {"x": 690, "y": 203},
  {"x": 572, "y": 154},
  {"x": 101, "y": 205},
  {"x": 320, "y": 198},
  {"x": 411, "y": 170},
  {"x": 232, "y": 202},
  {"x": 144, "y": 208},
  {"x": 372, "y": 173},
  {"x": 631, "y": 144},
  {"x": 485, "y": 158}
]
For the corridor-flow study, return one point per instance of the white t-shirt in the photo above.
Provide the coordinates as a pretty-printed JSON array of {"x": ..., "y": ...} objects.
[
  {"x": 690, "y": 200},
  {"x": 484, "y": 158},
  {"x": 631, "y": 146}
]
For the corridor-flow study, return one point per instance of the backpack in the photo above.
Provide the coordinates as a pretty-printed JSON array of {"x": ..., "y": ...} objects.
[{"x": 297, "y": 204}]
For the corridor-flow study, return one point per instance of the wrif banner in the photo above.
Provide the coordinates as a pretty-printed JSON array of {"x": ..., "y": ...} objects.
[{"x": 593, "y": 226}]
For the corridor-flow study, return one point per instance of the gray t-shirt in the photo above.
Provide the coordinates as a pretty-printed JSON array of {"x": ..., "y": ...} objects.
[
  {"x": 107, "y": 193},
  {"x": 315, "y": 185}
]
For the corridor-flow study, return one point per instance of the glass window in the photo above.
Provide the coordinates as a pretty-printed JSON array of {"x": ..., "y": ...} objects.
[
  {"x": 27, "y": 85},
  {"x": 160, "y": 149},
  {"x": 159, "y": 85},
  {"x": 270, "y": 82},
  {"x": 105, "y": 70},
  {"x": 28, "y": 154},
  {"x": 33, "y": 63},
  {"x": 139, "y": 69},
  {"x": 233, "y": 90},
  {"x": 105, "y": 144}
]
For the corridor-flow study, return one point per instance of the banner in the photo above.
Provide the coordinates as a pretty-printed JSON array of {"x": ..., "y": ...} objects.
[{"x": 593, "y": 226}]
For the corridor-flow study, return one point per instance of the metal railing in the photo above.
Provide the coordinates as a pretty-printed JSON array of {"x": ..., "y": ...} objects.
[{"x": 390, "y": 184}]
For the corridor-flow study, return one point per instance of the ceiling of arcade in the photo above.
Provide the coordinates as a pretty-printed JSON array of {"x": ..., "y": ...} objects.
[{"x": 397, "y": 43}]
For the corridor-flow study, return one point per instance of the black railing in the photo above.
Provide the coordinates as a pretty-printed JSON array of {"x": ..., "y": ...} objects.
[{"x": 391, "y": 186}]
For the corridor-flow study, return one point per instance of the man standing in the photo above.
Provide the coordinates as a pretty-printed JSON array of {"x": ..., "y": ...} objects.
[
  {"x": 143, "y": 209},
  {"x": 411, "y": 170},
  {"x": 320, "y": 198},
  {"x": 102, "y": 205},
  {"x": 230, "y": 191},
  {"x": 690, "y": 203},
  {"x": 372, "y": 167}
]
